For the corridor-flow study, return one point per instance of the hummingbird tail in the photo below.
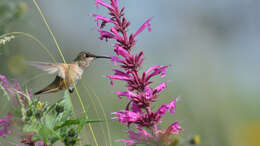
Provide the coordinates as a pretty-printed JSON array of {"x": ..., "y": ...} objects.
[
  {"x": 38, "y": 92},
  {"x": 46, "y": 90}
]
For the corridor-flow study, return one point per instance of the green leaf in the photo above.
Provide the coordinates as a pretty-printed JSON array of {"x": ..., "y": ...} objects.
[
  {"x": 36, "y": 138},
  {"x": 33, "y": 127},
  {"x": 44, "y": 133},
  {"x": 81, "y": 120},
  {"x": 48, "y": 134},
  {"x": 50, "y": 118},
  {"x": 66, "y": 102}
]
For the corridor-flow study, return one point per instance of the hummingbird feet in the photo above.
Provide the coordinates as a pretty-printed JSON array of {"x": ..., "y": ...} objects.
[{"x": 71, "y": 90}]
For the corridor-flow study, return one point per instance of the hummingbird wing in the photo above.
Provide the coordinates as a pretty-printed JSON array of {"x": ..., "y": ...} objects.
[
  {"x": 56, "y": 85},
  {"x": 51, "y": 68}
]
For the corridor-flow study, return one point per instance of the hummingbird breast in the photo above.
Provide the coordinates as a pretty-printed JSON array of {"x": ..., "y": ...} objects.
[{"x": 73, "y": 73}]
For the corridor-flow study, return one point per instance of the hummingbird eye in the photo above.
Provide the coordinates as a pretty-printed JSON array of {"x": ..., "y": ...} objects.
[{"x": 86, "y": 55}]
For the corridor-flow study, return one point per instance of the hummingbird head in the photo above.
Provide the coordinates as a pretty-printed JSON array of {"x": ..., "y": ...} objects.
[{"x": 85, "y": 58}]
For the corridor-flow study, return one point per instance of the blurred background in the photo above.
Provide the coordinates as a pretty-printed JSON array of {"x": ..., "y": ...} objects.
[{"x": 213, "y": 47}]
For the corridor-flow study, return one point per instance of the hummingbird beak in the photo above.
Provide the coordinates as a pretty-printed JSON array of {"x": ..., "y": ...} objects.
[{"x": 102, "y": 57}]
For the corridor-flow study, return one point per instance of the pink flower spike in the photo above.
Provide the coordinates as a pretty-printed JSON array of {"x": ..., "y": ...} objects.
[
  {"x": 146, "y": 24},
  {"x": 103, "y": 4}
]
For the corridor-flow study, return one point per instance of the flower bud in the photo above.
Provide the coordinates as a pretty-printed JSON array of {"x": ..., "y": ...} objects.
[
  {"x": 29, "y": 113},
  {"x": 38, "y": 114},
  {"x": 72, "y": 133},
  {"x": 59, "y": 108},
  {"x": 69, "y": 141},
  {"x": 195, "y": 139}
]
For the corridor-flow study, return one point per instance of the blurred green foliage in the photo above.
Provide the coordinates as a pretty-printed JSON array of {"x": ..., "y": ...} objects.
[{"x": 10, "y": 12}]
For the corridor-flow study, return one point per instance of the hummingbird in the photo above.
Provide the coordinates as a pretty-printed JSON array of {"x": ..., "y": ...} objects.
[{"x": 67, "y": 74}]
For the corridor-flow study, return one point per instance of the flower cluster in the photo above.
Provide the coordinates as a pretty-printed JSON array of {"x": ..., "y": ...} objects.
[
  {"x": 139, "y": 91},
  {"x": 15, "y": 90},
  {"x": 19, "y": 99},
  {"x": 5, "y": 125},
  {"x": 6, "y": 39},
  {"x": 17, "y": 95}
]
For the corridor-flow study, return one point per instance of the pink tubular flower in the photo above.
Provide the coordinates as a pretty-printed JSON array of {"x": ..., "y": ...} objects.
[
  {"x": 140, "y": 137},
  {"x": 139, "y": 91},
  {"x": 146, "y": 24},
  {"x": 149, "y": 119},
  {"x": 127, "y": 117},
  {"x": 174, "y": 128}
]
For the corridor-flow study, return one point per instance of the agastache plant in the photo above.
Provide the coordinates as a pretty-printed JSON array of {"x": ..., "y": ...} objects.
[{"x": 139, "y": 91}]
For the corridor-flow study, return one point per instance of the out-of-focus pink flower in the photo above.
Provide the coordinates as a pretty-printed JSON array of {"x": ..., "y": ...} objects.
[
  {"x": 174, "y": 128},
  {"x": 5, "y": 125},
  {"x": 15, "y": 90},
  {"x": 28, "y": 140},
  {"x": 140, "y": 137},
  {"x": 41, "y": 143},
  {"x": 160, "y": 138}
]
